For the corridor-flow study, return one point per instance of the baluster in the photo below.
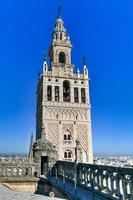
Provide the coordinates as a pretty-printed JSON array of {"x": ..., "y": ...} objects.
[
  {"x": 99, "y": 181},
  {"x": 118, "y": 193},
  {"x": 112, "y": 184},
  {"x": 88, "y": 177},
  {"x": 124, "y": 188},
  {"x": 131, "y": 188},
  {"x": 102, "y": 181}
]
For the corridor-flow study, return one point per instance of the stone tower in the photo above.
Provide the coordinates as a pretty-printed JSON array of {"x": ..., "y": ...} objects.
[{"x": 63, "y": 103}]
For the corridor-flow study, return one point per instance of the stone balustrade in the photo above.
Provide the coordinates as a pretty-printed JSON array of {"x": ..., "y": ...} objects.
[
  {"x": 111, "y": 182},
  {"x": 16, "y": 167}
]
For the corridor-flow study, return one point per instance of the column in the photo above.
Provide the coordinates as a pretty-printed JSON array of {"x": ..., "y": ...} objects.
[
  {"x": 72, "y": 94},
  {"x": 60, "y": 148},
  {"x": 79, "y": 90},
  {"x": 61, "y": 93},
  {"x": 53, "y": 93}
]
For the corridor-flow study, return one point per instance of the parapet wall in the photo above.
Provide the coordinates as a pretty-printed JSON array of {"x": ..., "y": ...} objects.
[
  {"x": 111, "y": 182},
  {"x": 16, "y": 167}
]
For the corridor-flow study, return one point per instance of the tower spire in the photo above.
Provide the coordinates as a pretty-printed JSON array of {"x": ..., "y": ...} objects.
[
  {"x": 61, "y": 42},
  {"x": 30, "y": 156},
  {"x": 45, "y": 65},
  {"x": 85, "y": 70},
  {"x": 84, "y": 60},
  {"x": 59, "y": 11},
  {"x": 45, "y": 57}
]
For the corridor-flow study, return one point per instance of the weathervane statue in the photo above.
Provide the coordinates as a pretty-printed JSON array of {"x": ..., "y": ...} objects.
[{"x": 59, "y": 11}]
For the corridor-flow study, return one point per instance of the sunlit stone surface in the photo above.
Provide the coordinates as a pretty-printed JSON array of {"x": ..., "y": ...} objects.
[{"x": 6, "y": 194}]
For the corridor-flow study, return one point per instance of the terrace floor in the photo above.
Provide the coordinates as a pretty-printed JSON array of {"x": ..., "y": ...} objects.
[{"x": 7, "y": 194}]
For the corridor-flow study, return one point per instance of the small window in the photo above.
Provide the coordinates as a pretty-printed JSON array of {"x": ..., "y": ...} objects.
[
  {"x": 69, "y": 137},
  {"x": 83, "y": 96},
  {"x": 49, "y": 93},
  {"x": 56, "y": 93},
  {"x": 65, "y": 137},
  {"x": 65, "y": 155},
  {"x": 68, "y": 155}
]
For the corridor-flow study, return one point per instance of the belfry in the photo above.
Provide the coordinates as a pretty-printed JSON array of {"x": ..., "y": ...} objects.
[{"x": 63, "y": 103}]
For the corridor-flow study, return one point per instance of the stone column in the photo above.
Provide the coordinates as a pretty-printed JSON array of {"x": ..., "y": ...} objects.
[
  {"x": 74, "y": 137},
  {"x": 79, "y": 90},
  {"x": 60, "y": 147},
  {"x": 53, "y": 93},
  {"x": 72, "y": 94},
  {"x": 44, "y": 92},
  {"x": 61, "y": 93}
]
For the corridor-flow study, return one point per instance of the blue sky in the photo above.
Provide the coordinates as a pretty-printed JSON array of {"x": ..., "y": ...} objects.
[{"x": 101, "y": 30}]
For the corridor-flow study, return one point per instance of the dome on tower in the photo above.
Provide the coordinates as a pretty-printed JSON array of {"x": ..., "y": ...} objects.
[{"x": 59, "y": 20}]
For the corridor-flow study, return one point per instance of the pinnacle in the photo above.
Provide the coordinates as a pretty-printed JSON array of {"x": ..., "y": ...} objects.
[{"x": 59, "y": 12}]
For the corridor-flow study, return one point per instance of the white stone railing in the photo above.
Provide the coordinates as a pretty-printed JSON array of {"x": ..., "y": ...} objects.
[
  {"x": 16, "y": 167},
  {"x": 111, "y": 182}
]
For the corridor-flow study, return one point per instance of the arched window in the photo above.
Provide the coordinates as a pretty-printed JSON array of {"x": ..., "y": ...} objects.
[
  {"x": 60, "y": 36},
  {"x": 76, "y": 95},
  {"x": 68, "y": 155},
  {"x": 65, "y": 137},
  {"x": 62, "y": 57},
  {"x": 56, "y": 93},
  {"x": 69, "y": 136},
  {"x": 83, "y": 97},
  {"x": 49, "y": 93},
  {"x": 65, "y": 155},
  {"x": 66, "y": 91}
]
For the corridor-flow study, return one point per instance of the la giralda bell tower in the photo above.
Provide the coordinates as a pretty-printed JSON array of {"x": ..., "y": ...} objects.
[{"x": 63, "y": 102}]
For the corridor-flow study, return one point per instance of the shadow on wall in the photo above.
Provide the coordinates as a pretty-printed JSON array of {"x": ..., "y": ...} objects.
[{"x": 45, "y": 188}]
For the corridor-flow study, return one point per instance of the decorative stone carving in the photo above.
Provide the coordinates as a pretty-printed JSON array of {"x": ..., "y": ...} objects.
[
  {"x": 16, "y": 167},
  {"x": 53, "y": 130},
  {"x": 81, "y": 130}
]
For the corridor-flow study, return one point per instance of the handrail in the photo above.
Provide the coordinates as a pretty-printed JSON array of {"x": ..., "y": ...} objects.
[{"x": 111, "y": 182}]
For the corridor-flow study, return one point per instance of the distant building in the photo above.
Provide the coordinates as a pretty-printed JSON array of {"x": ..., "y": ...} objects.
[{"x": 63, "y": 102}]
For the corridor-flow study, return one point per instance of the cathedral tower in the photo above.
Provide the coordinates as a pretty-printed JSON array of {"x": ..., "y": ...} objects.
[{"x": 63, "y": 103}]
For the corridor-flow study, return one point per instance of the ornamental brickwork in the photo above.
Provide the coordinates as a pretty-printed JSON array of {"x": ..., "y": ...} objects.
[{"x": 63, "y": 102}]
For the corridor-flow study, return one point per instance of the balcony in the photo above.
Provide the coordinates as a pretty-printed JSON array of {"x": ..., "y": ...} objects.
[{"x": 67, "y": 142}]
